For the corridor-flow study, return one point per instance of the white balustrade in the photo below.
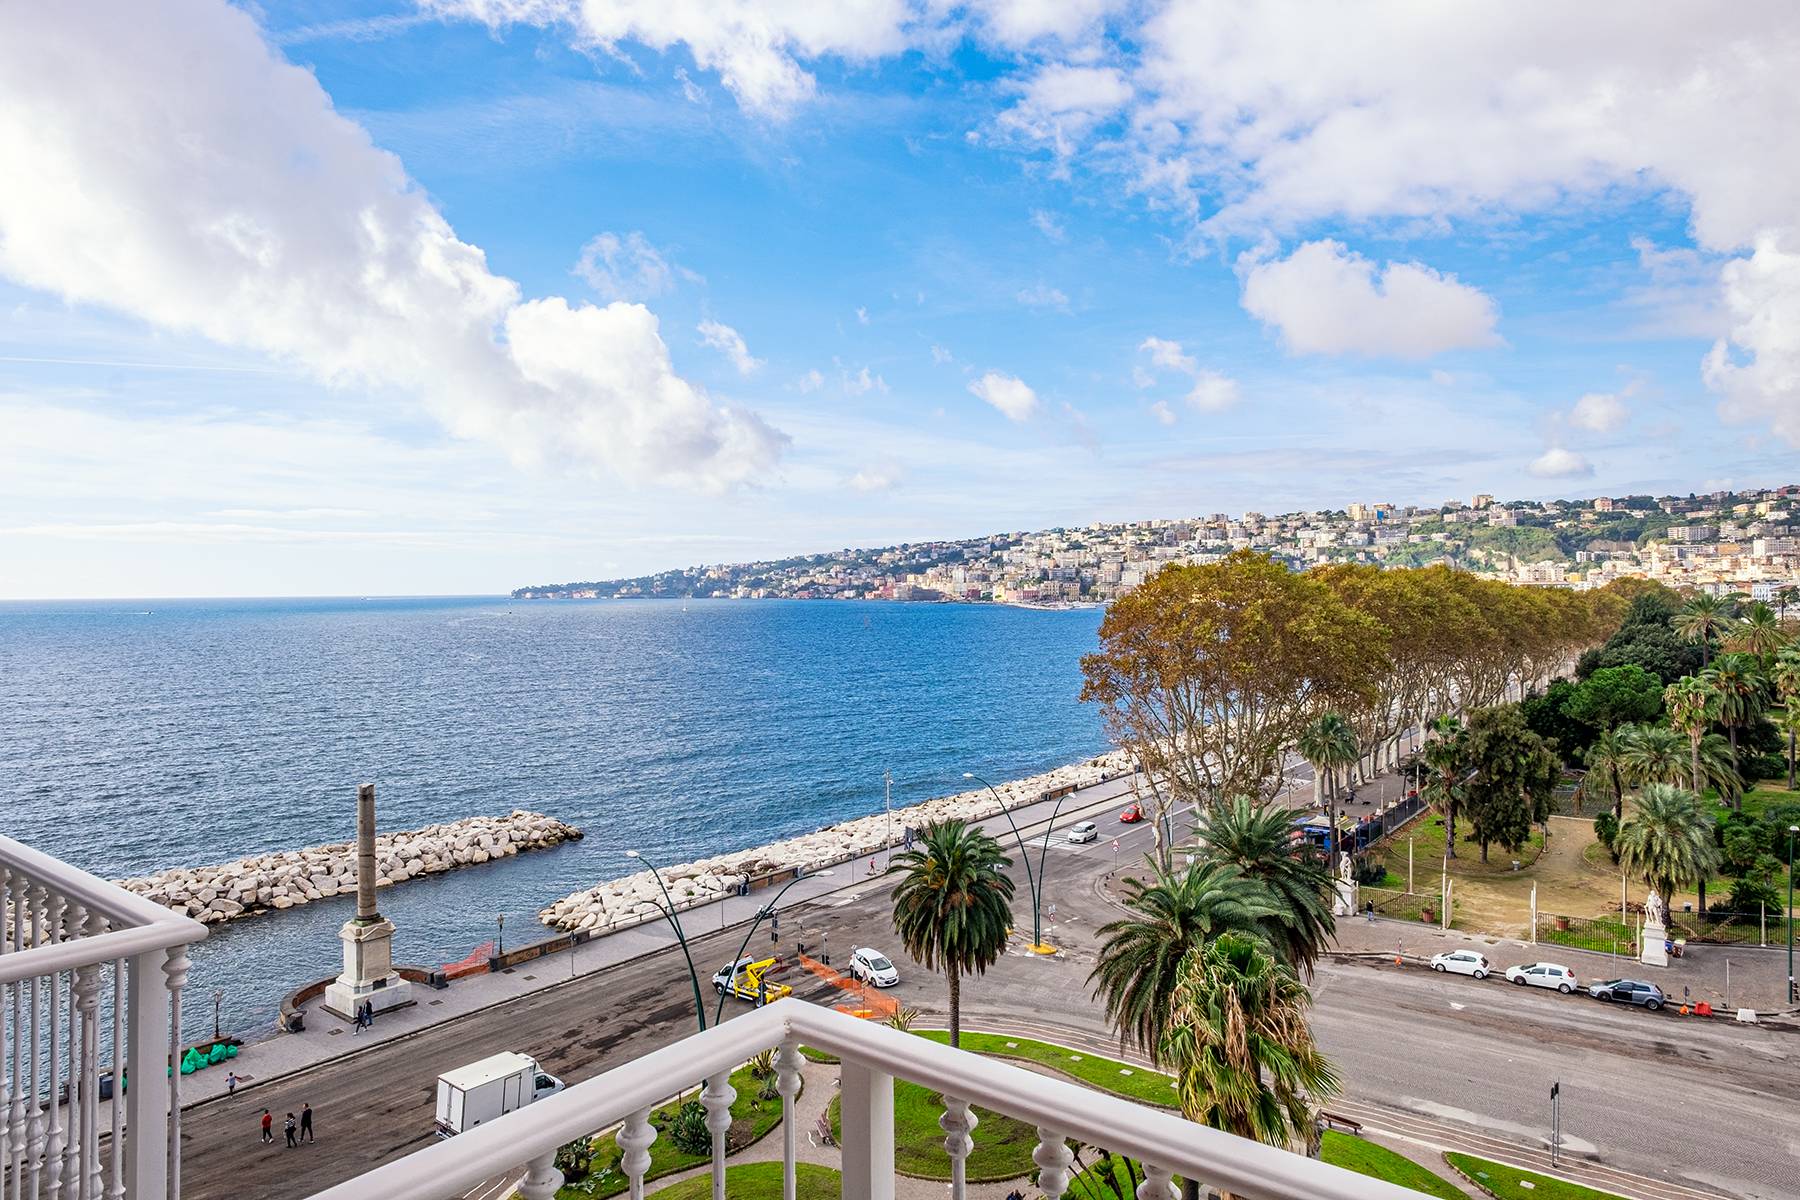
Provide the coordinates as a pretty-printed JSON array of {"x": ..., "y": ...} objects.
[
  {"x": 787, "y": 1082},
  {"x": 958, "y": 1124},
  {"x": 717, "y": 1100},
  {"x": 84, "y": 998},
  {"x": 870, "y": 1058}
]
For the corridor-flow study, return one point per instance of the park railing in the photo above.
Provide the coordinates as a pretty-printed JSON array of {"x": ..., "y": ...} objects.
[
  {"x": 871, "y": 1057},
  {"x": 90, "y": 996}
]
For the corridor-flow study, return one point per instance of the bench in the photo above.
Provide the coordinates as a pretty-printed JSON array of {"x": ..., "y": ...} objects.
[{"x": 1339, "y": 1123}]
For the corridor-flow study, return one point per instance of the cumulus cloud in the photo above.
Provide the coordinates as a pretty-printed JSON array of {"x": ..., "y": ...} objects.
[
  {"x": 1325, "y": 299},
  {"x": 626, "y": 268},
  {"x": 1043, "y": 296},
  {"x": 879, "y": 477},
  {"x": 1559, "y": 463},
  {"x": 1168, "y": 355},
  {"x": 1008, "y": 393},
  {"x": 812, "y": 381},
  {"x": 1163, "y": 413},
  {"x": 1756, "y": 368},
  {"x": 1062, "y": 102},
  {"x": 860, "y": 382},
  {"x": 730, "y": 343},
  {"x": 1599, "y": 412},
  {"x": 1213, "y": 392},
  {"x": 941, "y": 356},
  {"x": 1047, "y": 223},
  {"x": 240, "y": 205},
  {"x": 1210, "y": 391}
]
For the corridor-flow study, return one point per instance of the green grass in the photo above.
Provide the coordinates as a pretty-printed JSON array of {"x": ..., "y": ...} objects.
[
  {"x": 1602, "y": 934},
  {"x": 1504, "y": 1182},
  {"x": 759, "y": 1181},
  {"x": 818, "y": 1056},
  {"x": 750, "y": 1121},
  {"x": 1104, "y": 1074},
  {"x": 1003, "y": 1144},
  {"x": 1428, "y": 847},
  {"x": 1366, "y": 1158}
]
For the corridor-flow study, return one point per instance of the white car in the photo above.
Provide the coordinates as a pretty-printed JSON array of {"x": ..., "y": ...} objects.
[
  {"x": 1547, "y": 975},
  {"x": 872, "y": 966},
  {"x": 1461, "y": 962},
  {"x": 1083, "y": 831}
]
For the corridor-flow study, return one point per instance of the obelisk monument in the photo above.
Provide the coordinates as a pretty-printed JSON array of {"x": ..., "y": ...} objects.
[{"x": 368, "y": 937}]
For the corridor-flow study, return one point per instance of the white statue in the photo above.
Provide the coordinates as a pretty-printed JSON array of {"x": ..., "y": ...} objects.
[
  {"x": 1653, "y": 910},
  {"x": 1654, "y": 952}
]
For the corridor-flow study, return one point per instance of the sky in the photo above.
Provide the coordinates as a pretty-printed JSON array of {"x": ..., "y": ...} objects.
[{"x": 457, "y": 296}]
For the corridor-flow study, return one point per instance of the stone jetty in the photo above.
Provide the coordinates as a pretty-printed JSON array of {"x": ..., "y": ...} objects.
[
  {"x": 636, "y": 898},
  {"x": 274, "y": 881}
]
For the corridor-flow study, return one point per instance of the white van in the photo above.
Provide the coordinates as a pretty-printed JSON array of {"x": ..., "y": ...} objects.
[{"x": 475, "y": 1094}]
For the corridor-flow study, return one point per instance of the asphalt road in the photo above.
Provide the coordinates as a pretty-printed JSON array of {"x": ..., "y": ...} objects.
[{"x": 1709, "y": 1104}]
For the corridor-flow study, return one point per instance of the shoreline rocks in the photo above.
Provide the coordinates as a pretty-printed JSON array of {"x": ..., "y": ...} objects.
[
  {"x": 634, "y": 899},
  {"x": 286, "y": 879}
]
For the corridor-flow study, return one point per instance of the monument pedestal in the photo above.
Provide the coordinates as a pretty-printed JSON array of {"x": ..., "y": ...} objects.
[
  {"x": 369, "y": 976},
  {"x": 1652, "y": 953},
  {"x": 1346, "y": 897}
]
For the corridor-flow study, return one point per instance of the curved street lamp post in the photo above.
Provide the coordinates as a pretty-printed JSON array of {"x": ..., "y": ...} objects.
[
  {"x": 767, "y": 910},
  {"x": 1034, "y": 880},
  {"x": 1792, "y": 993},
  {"x": 680, "y": 935}
]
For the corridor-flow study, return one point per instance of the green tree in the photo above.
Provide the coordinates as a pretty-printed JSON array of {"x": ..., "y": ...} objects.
[
  {"x": 1606, "y": 763},
  {"x": 1447, "y": 759},
  {"x": 953, "y": 904},
  {"x": 1758, "y": 633},
  {"x": 1172, "y": 916},
  {"x": 1704, "y": 619},
  {"x": 1653, "y": 754},
  {"x": 1614, "y": 696},
  {"x": 1329, "y": 744},
  {"x": 1667, "y": 841},
  {"x": 1741, "y": 693},
  {"x": 1514, "y": 777},
  {"x": 1241, "y": 1047},
  {"x": 1784, "y": 677},
  {"x": 1691, "y": 704},
  {"x": 1646, "y": 637},
  {"x": 1257, "y": 839}
]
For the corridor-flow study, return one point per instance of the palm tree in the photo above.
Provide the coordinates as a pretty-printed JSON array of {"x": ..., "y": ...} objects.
[
  {"x": 1737, "y": 682},
  {"x": 1329, "y": 744},
  {"x": 1704, "y": 617},
  {"x": 1784, "y": 675},
  {"x": 1445, "y": 755},
  {"x": 1758, "y": 632},
  {"x": 1258, "y": 840},
  {"x": 1172, "y": 916},
  {"x": 953, "y": 905},
  {"x": 1606, "y": 760},
  {"x": 1240, "y": 1046},
  {"x": 1718, "y": 769},
  {"x": 1788, "y": 721},
  {"x": 1653, "y": 754},
  {"x": 1691, "y": 704},
  {"x": 1667, "y": 841}
]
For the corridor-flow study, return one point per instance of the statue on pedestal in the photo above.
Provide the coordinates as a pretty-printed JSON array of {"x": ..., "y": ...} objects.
[
  {"x": 1654, "y": 952},
  {"x": 369, "y": 979},
  {"x": 1346, "y": 888}
]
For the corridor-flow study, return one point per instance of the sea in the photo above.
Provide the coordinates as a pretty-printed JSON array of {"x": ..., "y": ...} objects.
[{"x": 141, "y": 735}]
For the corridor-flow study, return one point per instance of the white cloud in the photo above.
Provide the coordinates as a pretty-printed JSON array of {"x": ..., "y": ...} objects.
[
  {"x": 940, "y": 356},
  {"x": 862, "y": 315},
  {"x": 812, "y": 381},
  {"x": 730, "y": 343},
  {"x": 1043, "y": 296},
  {"x": 1168, "y": 355},
  {"x": 861, "y": 382},
  {"x": 1047, "y": 223},
  {"x": 242, "y": 206},
  {"x": 1141, "y": 378},
  {"x": 1061, "y": 103},
  {"x": 879, "y": 477},
  {"x": 1213, "y": 392},
  {"x": 1325, "y": 299},
  {"x": 1599, "y": 412},
  {"x": 1756, "y": 368},
  {"x": 1008, "y": 393},
  {"x": 1558, "y": 463},
  {"x": 1162, "y": 412},
  {"x": 1017, "y": 23},
  {"x": 626, "y": 268}
]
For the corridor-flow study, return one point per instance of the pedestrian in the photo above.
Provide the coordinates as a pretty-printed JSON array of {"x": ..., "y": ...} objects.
[
  {"x": 356, "y": 1020},
  {"x": 268, "y": 1127},
  {"x": 230, "y": 1082},
  {"x": 290, "y": 1127},
  {"x": 368, "y": 1014},
  {"x": 306, "y": 1132}
]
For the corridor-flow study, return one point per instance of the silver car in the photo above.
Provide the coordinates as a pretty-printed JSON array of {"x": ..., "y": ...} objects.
[{"x": 1082, "y": 831}]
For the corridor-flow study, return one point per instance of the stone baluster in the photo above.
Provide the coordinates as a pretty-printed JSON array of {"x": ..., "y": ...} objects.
[
  {"x": 115, "y": 1189},
  {"x": 958, "y": 1123},
  {"x": 13, "y": 892},
  {"x": 1052, "y": 1157},
  {"x": 634, "y": 1139},
  {"x": 1156, "y": 1185},
  {"x": 717, "y": 1099},
  {"x": 175, "y": 970},
  {"x": 788, "y": 1061},
  {"x": 53, "y": 1140},
  {"x": 87, "y": 1001},
  {"x": 32, "y": 1139},
  {"x": 541, "y": 1178}
]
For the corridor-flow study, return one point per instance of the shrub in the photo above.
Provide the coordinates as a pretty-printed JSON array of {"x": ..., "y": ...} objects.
[
  {"x": 1369, "y": 870},
  {"x": 1749, "y": 893},
  {"x": 575, "y": 1159},
  {"x": 1606, "y": 828},
  {"x": 688, "y": 1130}
]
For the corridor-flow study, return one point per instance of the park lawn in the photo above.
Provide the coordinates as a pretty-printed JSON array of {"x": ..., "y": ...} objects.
[
  {"x": 1105, "y": 1074},
  {"x": 1367, "y": 1158},
  {"x": 751, "y": 1119},
  {"x": 1511, "y": 1183},
  {"x": 1427, "y": 837},
  {"x": 759, "y": 1181},
  {"x": 1003, "y": 1144}
]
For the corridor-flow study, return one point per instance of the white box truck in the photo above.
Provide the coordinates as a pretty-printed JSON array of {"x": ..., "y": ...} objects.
[{"x": 481, "y": 1091}]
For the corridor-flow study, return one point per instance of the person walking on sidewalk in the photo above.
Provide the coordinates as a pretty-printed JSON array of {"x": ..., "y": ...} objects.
[
  {"x": 306, "y": 1133},
  {"x": 230, "y": 1082},
  {"x": 268, "y": 1127},
  {"x": 290, "y": 1128}
]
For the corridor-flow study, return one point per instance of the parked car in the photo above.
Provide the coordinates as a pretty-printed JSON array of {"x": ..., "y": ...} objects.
[
  {"x": 1133, "y": 814},
  {"x": 872, "y": 966},
  {"x": 1461, "y": 962},
  {"x": 1547, "y": 975},
  {"x": 1629, "y": 991},
  {"x": 1083, "y": 831}
]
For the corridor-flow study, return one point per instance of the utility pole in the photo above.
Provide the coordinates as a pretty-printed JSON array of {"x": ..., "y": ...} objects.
[
  {"x": 1555, "y": 1122},
  {"x": 887, "y": 779},
  {"x": 1792, "y": 830}
]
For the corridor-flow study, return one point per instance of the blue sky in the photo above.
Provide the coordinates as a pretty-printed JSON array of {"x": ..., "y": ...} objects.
[{"x": 358, "y": 298}]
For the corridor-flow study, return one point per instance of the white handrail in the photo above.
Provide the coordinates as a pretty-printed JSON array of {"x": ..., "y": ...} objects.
[
  {"x": 96, "y": 894},
  {"x": 1153, "y": 1136}
]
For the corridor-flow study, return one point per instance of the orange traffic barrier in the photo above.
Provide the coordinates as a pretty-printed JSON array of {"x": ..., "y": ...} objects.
[{"x": 868, "y": 1002}]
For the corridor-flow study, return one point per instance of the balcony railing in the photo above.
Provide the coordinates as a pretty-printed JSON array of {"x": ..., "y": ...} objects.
[
  {"x": 523, "y": 1144},
  {"x": 90, "y": 998}
]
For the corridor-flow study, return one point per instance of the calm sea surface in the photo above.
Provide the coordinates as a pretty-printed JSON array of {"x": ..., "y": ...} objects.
[{"x": 136, "y": 736}]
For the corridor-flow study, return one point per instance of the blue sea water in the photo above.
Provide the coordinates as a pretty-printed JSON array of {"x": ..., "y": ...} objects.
[{"x": 140, "y": 735}]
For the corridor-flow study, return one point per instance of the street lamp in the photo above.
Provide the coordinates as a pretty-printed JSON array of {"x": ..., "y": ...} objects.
[
  {"x": 680, "y": 936},
  {"x": 500, "y": 936},
  {"x": 218, "y": 998},
  {"x": 1792, "y": 830},
  {"x": 767, "y": 910},
  {"x": 1034, "y": 881}
]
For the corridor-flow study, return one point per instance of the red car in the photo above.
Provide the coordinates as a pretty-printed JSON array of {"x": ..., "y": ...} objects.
[{"x": 1132, "y": 814}]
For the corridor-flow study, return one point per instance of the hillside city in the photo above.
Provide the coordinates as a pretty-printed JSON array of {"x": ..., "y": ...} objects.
[{"x": 1722, "y": 542}]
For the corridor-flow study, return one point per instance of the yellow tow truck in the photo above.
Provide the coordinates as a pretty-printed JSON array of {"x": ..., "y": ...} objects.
[{"x": 749, "y": 979}]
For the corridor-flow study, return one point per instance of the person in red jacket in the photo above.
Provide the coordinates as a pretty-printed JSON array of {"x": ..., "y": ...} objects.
[{"x": 268, "y": 1126}]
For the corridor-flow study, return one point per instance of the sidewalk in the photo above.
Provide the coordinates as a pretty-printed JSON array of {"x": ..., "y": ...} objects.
[{"x": 326, "y": 1037}]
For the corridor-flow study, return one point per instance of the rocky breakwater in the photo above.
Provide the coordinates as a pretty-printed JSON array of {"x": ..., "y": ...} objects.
[
  {"x": 292, "y": 877},
  {"x": 635, "y": 899}
]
